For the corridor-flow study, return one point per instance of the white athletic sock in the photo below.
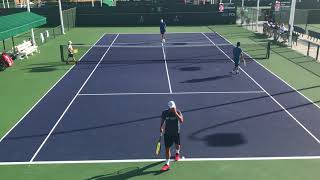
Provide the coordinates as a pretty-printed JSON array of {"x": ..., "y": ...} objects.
[
  {"x": 178, "y": 151},
  {"x": 168, "y": 161}
]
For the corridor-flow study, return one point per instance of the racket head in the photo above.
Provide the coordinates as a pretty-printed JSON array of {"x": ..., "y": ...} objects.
[
  {"x": 244, "y": 61},
  {"x": 158, "y": 148}
]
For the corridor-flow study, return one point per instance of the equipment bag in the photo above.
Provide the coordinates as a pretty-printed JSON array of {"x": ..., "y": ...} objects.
[{"x": 6, "y": 60}]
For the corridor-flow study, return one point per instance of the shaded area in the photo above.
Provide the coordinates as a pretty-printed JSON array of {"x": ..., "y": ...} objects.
[
  {"x": 190, "y": 68},
  {"x": 195, "y": 135},
  {"x": 42, "y": 69},
  {"x": 128, "y": 173},
  {"x": 47, "y": 67},
  {"x": 180, "y": 43},
  {"x": 207, "y": 79},
  {"x": 225, "y": 139}
]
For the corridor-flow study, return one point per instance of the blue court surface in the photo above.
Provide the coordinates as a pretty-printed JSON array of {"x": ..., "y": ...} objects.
[{"x": 108, "y": 106}]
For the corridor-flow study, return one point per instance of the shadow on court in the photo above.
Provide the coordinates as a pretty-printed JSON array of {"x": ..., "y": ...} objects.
[
  {"x": 207, "y": 79},
  {"x": 190, "y": 68},
  {"x": 224, "y": 139},
  {"x": 42, "y": 69},
  {"x": 47, "y": 67},
  {"x": 128, "y": 173}
]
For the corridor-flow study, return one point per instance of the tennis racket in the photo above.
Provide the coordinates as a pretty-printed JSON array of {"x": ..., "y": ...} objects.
[
  {"x": 75, "y": 51},
  {"x": 158, "y": 147},
  {"x": 244, "y": 61}
]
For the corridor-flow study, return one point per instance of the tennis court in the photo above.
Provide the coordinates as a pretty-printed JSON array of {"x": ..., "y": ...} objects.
[{"x": 108, "y": 106}]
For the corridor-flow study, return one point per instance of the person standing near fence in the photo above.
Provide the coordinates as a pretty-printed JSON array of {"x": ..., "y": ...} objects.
[{"x": 71, "y": 53}]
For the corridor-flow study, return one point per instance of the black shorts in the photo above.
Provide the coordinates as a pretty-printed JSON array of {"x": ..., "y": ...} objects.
[
  {"x": 70, "y": 55},
  {"x": 170, "y": 139},
  {"x": 162, "y": 32},
  {"x": 236, "y": 63}
]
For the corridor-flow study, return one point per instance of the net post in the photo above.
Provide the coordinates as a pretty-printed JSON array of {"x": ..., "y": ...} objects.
[
  {"x": 317, "y": 57},
  {"x": 268, "y": 49},
  {"x": 61, "y": 53},
  {"x": 4, "y": 45},
  {"x": 53, "y": 33},
  {"x": 13, "y": 45},
  {"x": 308, "y": 14},
  {"x": 308, "y": 48},
  {"x": 45, "y": 37}
]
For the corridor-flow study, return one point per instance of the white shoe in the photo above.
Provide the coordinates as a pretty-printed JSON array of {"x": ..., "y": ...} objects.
[{"x": 235, "y": 72}]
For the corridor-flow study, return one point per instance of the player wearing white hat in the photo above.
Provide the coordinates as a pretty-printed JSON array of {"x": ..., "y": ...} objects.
[
  {"x": 71, "y": 53},
  {"x": 171, "y": 120}
]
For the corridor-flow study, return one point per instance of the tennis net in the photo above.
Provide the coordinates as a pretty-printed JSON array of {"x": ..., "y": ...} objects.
[{"x": 254, "y": 50}]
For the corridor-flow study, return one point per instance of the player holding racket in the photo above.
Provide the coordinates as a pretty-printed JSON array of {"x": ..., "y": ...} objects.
[
  {"x": 171, "y": 119},
  {"x": 71, "y": 53},
  {"x": 237, "y": 55}
]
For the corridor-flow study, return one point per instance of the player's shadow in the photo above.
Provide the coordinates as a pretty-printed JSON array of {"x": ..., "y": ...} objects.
[
  {"x": 224, "y": 139},
  {"x": 47, "y": 67},
  {"x": 130, "y": 172},
  {"x": 42, "y": 69},
  {"x": 193, "y": 68},
  {"x": 213, "y": 78}
]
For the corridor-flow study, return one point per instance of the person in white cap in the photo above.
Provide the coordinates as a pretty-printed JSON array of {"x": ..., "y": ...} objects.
[
  {"x": 171, "y": 120},
  {"x": 70, "y": 53}
]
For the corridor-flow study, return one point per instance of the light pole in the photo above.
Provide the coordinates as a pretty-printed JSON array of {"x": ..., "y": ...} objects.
[
  {"x": 291, "y": 20},
  {"x": 61, "y": 17}
]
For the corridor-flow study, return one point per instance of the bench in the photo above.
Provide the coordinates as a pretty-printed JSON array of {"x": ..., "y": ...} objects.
[
  {"x": 313, "y": 35},
  {"x": 311, "y": 44},
  {"x": 25, "y": 49},
  {"x": 299, "y": 30}
]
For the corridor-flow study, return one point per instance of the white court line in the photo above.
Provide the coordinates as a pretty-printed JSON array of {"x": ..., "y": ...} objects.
[
  {"x": 313, "y": 136},
  {"x": 46, "y": 93},
  {"x": 177, "y": 93},
  {"x": 159, "y": 160},
  {"x": 165, "y": 62},
  {"x": 156, "y": 42},
  {"x": 276, "y": 76},
  {"x": 159, "y": 45},
  {"x": 35, "y": 155},
  {"x": 151, "y": 33}
]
